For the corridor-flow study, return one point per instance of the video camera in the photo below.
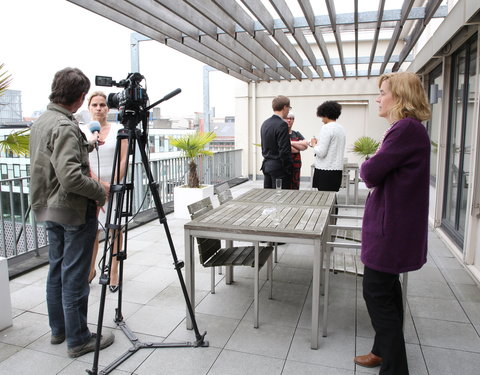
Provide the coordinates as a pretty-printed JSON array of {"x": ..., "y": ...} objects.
[{"x": 131, "y": 102}]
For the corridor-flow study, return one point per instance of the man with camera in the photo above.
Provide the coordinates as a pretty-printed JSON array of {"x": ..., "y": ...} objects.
[{"x": 65, "y": 197}]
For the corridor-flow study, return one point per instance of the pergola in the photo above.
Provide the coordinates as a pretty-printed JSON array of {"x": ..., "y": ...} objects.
[{"x": 275, "y": 40}]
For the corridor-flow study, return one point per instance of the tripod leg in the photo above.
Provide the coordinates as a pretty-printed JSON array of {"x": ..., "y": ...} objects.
[
  {"x": 112, "y": 233},
  {"x": 163, "y": 220}
]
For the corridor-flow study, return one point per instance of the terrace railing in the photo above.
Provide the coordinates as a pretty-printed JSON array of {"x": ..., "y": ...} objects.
[{"x": 20, "y": 233}]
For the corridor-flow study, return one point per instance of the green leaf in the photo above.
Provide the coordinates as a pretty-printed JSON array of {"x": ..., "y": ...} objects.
[
  {"x": 17, "y": 142},
  {"x": 5, "y": 80},
  {"x": 365, "y": 146},
  {"x": 192, "y": 145}
]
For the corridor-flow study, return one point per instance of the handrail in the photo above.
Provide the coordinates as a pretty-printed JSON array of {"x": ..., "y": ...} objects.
[{"x": 20, "y": 233}]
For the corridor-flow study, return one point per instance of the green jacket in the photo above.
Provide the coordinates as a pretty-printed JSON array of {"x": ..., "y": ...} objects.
[{"x": 60, "y": 182}]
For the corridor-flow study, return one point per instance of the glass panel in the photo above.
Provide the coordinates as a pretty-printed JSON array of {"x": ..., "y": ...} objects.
[
  {"x": 453, "y": 157},
  {"x": 433, "y": 126},
  {"x": 470, "y": 107}
]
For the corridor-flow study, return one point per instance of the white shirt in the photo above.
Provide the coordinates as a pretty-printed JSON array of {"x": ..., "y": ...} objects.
[{"x": 330, "y": 148}]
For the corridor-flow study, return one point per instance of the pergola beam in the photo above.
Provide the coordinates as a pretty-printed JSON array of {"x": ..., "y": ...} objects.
[
  {"x": 407, "y": 5},
  {"x": 256, "y": 43},
  {"x": 336, "y": 32},
  {"x": 286, "y": 15},
  {"x": 430, "y": 9},
  {"x": 381, "y": 7}
]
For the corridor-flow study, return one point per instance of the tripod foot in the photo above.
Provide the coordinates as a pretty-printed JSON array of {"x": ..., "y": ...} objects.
[{"x": 201, "y": 341}]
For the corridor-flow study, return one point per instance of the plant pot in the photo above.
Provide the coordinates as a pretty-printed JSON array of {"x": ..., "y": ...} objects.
[
  {"x": 6, "y": 305},
  {"x": 183, "y": 196}
]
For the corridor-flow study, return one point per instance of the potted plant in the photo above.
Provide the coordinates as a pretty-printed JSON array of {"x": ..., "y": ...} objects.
[
  {"x": 191, "y": 146},
  {"x": 365, "y": 146},
  {"x": 16, "y": 142}
]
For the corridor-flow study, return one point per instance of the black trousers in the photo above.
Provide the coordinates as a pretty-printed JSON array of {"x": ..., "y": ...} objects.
[
  {"x": 383, "y": 295},
  {"x": 269, "y": 179}
]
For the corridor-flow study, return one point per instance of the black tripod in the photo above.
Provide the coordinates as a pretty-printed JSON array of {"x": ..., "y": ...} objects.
[{"x": 120, "y": 206}]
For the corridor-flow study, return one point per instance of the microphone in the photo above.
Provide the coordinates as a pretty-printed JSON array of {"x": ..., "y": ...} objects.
[{"x": 94, "y": 127}]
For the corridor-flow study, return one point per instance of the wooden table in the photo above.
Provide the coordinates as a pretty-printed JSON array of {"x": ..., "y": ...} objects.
[{"x": 303, "y": 219}]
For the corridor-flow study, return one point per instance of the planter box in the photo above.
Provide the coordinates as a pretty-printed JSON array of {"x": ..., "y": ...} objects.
[
  {"x": 5, "y": 305},
  {"x": 183, "y": 196}
]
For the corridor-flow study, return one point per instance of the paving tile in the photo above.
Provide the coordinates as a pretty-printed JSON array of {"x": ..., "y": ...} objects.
[
  {"x": 445, "y": 334},
  {"x": 154, "y": 321},
  {"x": 448, "y": 263},
  {"x": 299, "y": 368},
  {"x": 172, "y": 361},
  {"x": 443, "y": 309},
  {"x": 472, "y": 309},
  {"x": 267, "y": 340},
  {"x": 26, "y": 328},
  {"x": 296, "y": 261},
  {"x": 29, "y": 361},
  {"x": 137, "y": 292},
  {"x": 172, "y": 297},
  {"x": 28, "y": 297},
  {"x": 337, "y": 350},
  {"x": 231, "y": 301},
  {"x": 219, "y": 330},
  {"x": 284, "y": 308},
  {"x": 7, "y": 350},
  {"x": 458, "y": 276},
  {"x": 78, "y": 367},
  {"x": 447, "y": 361},
  {"x": 466, "y": 293},
  {"x": 426, "y": 274},
  {"x": 245, "y": 363},
  {"x": 433, "y": 289},
  {"x": 109, "y": 313},
  {"x": 292, "y": 275}
]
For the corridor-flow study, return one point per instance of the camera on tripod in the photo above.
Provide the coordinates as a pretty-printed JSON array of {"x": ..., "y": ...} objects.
[{"x": 131, "y": 102}]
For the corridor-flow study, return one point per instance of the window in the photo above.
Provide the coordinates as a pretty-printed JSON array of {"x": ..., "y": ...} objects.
[{"x": 459, "y": 145}]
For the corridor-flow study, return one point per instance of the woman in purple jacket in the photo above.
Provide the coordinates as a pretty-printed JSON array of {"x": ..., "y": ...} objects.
[{"x": 395, "y": 223}]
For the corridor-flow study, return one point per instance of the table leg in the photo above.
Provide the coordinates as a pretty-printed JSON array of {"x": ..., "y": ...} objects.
[
  {"x": 317, "y": 252},
  {"x": 256, "y": 287},
  {"x": 189, "y": 274},
  {"x": 228, "y": 269},
  {"x": 355, "y": 196},
  {"x": 327, "y": 252}
]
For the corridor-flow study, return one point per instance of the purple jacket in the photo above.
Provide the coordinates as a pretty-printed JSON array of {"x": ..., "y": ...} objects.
[{"x": 395, "y": 223}]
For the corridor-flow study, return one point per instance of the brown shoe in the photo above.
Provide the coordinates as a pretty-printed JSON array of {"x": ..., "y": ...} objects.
[{"x": 368, "y": 360}]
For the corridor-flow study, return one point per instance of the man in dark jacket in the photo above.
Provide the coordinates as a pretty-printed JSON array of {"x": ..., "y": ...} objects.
[
  {"x": 276, "y": 148},
  {"x": 65, "y": 197}
]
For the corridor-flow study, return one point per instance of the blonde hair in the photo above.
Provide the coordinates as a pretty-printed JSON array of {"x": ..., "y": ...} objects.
[
  {"x": 94, "y": 94},
  {"x": 409, "y": 96}
]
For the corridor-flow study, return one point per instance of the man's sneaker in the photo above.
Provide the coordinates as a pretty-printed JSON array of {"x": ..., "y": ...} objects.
[
  {"x": 89, "y": 346},
  {"x": 57, "y": 339}
]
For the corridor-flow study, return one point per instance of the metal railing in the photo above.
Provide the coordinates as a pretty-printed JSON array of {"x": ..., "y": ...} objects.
[{"x": 20, "y": 233}]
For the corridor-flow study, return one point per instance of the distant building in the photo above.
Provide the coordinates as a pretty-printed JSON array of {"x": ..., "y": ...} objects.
[{"x": 11, "y": 107}]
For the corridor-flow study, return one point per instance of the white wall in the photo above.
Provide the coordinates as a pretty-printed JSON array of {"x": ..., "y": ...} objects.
[{"x": 359, "y": 114}]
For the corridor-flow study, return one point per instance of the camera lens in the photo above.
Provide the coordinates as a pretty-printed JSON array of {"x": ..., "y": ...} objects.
[{"x": 113, "y": 100}]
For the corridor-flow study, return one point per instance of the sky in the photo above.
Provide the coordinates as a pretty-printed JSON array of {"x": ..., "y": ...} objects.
[{"x": 38, "y": 38}]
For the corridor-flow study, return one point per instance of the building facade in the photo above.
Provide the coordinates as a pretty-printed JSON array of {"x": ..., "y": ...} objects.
[{"x": 448, "y": 63}]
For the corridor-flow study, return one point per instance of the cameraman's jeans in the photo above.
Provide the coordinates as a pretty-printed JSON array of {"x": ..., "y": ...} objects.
[{"x": 69, "y": 256}]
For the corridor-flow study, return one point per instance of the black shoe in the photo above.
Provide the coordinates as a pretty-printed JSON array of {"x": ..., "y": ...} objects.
[
  {"x": 57, "y": 339},
  {"x": 113, "y": 288},
  {"x": 105, "y": 341}
]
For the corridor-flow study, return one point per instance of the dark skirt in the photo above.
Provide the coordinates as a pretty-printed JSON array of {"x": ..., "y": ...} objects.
[{"x": 325, "y": 180}]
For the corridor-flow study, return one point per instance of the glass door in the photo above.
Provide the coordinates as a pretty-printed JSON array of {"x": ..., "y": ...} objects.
[{"x": 459, "y": 141}]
